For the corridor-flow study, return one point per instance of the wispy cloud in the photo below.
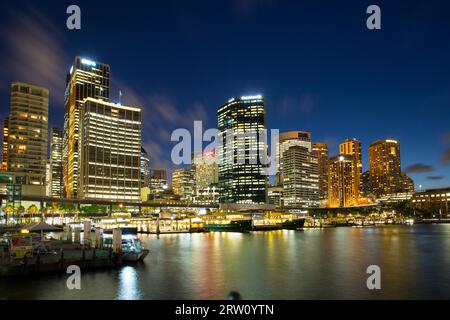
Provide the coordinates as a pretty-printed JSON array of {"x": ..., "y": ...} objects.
[
  {"x": 435, "y": 177},
  {"x": 419, "y": 168},
  {"x": 34, "y": 52},
  {"x": 445, "y": 158},
  {"x": 305, "y": 104},
  {"x": 161, "y": 115}
]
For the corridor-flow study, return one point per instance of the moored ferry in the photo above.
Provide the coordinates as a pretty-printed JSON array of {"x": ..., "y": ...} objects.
[
  {"x": 227, "y": 223},
  {"x": 132, "y": 248}
]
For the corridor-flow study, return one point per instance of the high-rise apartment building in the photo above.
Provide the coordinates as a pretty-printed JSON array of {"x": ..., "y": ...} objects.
[
  {"x": 56, "y": 173},
  {"x": 5, "y": 148},
  {"x": 86, "y": 79},
  {"x": 352, "y": 147},
  {"x": 320, "y": 150},
  {"x": 110, "y": 151},
  {"x": 342, "y": 190},
  {"x": 28, "y": 134},
  {"x": 243, "y": 170},
  {"x": 300, "y": 178},
  {"x": 183, "y": 183},
  {"x": 385, "y": 167}
]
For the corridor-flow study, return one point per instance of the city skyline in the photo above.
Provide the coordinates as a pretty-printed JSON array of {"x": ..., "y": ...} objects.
[{"x": 394, "y": 106}]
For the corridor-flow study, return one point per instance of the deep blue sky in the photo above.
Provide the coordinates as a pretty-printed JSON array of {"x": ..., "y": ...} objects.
[{"x": 318, "y": 65}]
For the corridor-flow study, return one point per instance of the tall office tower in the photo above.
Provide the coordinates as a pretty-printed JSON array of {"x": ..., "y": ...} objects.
[
  {"x": 145, "y": 169},
  {"x": 289, "y": 139},
  {"x": 5, "y": 148},
  {"x": 320, "y": 150},
  {"x": 86, "y": 79},
  {"x": 342, "y": 191},
  {"x": 183, "y": 183},
  {"x": 385, "y": 167},
  {"x": 110, "y": 151},
  {"x": 28, "y": 134},
  {"x": 352, "y": 147},
  {"x": 158, "y": 181},
  {"x": 300, "y": 178},
  {"x": 243, "y": 181},
  {"x": 57, "y": 182}
]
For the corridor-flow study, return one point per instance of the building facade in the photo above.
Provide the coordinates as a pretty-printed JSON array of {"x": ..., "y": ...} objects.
[
  {"x": 86, "y": 79},
  {"x": 300, "y": 178},
  {"x": 28, "y": 134},
  {"x": 5, "y": 148},
  {"x": 352, "y": 147},
  {"x": 56, "y": 171},
  {"x": 436, "y": 201},
  {"x": 241, "y": 122},
  {"x": 110, "y": 151},
  {"x": 320, "y": 151},
  {"x": 342, "y": 191},
  {"x": 183, "y": 183},
  {"x": 158, "y": 181},
  {"x": 385, "y": 167},
  {"x": 206, "y": 177},
  {"x": 145, "y": 169}
]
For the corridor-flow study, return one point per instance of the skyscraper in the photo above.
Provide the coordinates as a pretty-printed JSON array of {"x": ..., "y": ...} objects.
[
  {"x": 5, "y": 148},
  {"x": 385, "y": 167},
  {"x": 56, "y": 177},
  {"x": 352, "y": 147},
  {"x": 28, "y": 134},
  {"x": 320, "y": 150},
  {"x": 242, "y": 120},
  {"x": 300, "y": 178},
  {"x": 145, "y": 168},
  {"x": 183, "y": 183},
  {"x": 110, "y": 151},
  {"x": 86, "y": 79},
  {"x": 342, "y": 191},
  {"x": 293, "y": 138}
]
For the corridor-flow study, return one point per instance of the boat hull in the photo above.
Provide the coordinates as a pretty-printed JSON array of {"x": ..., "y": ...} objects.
[
  {"x": 295, "y": 224},
  {"x": 134, "y": 256},
  {"x": 233, "y": 226}
]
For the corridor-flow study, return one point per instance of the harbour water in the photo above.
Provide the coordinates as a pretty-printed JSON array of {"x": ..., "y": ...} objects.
[{"x": 311, "y": 264}]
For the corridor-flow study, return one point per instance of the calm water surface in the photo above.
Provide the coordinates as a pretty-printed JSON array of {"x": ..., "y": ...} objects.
[{"x": 309, "y": 264}]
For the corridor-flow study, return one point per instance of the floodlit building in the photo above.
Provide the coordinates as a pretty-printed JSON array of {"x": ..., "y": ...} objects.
[
  {"x": 436, "y": 201},
  {"x": 56, "y": 173},
  {"x": 352, "y": 147},
  {"x": 300, "y": 178},
  {"x": 385, "y": 167},
  {"x": 183, "y": 183},
  {"x": 110, "y": 151},
  {"x": 86, "y": 79},
  {"x": 320, "y": 150},
  {"x": 27, "y": 135},
  {"x": 342, "y": 191}
]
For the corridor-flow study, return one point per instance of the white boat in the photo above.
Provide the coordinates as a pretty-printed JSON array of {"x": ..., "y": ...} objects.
[{"x": 132, "y": 248}]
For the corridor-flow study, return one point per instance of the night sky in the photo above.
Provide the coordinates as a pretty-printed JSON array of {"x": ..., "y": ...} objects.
[{"x": 318, "y": 65}]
